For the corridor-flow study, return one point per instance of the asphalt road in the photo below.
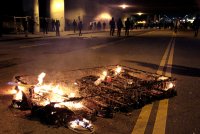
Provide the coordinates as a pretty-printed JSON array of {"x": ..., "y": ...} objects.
[{"x": 143, "y": 50}]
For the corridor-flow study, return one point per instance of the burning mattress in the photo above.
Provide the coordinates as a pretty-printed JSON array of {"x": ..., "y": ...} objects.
[{"x": 96, "y": 92}]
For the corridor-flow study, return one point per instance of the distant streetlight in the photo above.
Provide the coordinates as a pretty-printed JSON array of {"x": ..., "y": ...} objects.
[
  {"x": 139, "y": 13},
  {"x": 123, "y": 6},
  {"x": 104, "y": 16}
]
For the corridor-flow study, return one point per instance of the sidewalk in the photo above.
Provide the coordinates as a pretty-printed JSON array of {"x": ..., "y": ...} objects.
[{"x": 13, "y": 37}]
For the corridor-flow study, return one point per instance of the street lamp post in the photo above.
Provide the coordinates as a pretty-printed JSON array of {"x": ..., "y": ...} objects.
[{"x": 36, "y": 16}]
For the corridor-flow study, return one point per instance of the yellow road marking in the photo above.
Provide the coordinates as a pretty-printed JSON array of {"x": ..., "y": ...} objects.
[
  {"x": 161, "y": 117},
  {"x": 142, "y": 120},
  {"x": 164, "y": 59},
  {"x": 170, "y": 61}
]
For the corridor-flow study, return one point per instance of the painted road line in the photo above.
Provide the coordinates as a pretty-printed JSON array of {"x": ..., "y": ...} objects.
[
  {"x": 170, "y": 61},
  {"x": 37, "y": 45},
  {"x": 161, "y": 117},
  {"x": 164, "y": 58},
  {"x": 142, "y": 120}
]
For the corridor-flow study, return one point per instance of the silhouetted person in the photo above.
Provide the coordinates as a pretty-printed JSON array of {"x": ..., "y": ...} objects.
[
  {"x": 119, "y": 27},
  {"x": 95, "y": 25},
  {"x": 99, "y": 25},
  {"x": 25, "y": 25},
  {"x": 196, "y": 24},
  {"x": 74, "y": 26},
  {"x": 31, "y": 25},
  {"x": 91, "y": 25},
  {"x": 104, "y": 25},
  {"x": 44, "y": 24},
  {"x": 80, "y": 27},
  {"x": 127, "y": 26},
  {"x": 57, "y": 23},
  {"x": 112, "y": 26},
  {"x": 176, "y": 25},
  {"x": 53, "y": 23}
]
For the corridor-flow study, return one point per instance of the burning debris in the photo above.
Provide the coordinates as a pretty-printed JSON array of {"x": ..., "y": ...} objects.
[{"x": 116, "y": 89}]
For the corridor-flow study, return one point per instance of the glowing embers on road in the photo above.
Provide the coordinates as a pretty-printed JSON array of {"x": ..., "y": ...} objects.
[{"x": 100, "y": 92}]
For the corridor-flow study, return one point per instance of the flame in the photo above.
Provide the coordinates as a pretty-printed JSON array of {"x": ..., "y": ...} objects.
[
  {"x": 162, "y": 78},
  {"x": 44, "y": 94},
  {"x": 40, "y": 78},
  {"x": 71, "y": 95},
  {"x": 101, "y": 78},
  {"x": 70, "y": 105},
  {"x": 83, "y": 123},
  {"x": 169, "y": 85},
  {"x": 18, "y": 96},
  {"x": 118, "y": 70}
]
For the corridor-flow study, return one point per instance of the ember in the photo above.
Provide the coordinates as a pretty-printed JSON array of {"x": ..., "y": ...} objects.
[{"x": 116, "y": 89}]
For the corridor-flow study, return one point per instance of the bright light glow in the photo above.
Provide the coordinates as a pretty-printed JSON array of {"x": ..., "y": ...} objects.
[
  {"x": 40, "y": 78},
  {"x": 18, "y": 96},
  {"x": 103, "y": 16},
  {"x": 140, "y": 13},
  {"x": 83, "y": 123},
  {"x": 118, "y": 70},
  {"x": 71, "y": 95},
  {"x": 70, "y": 105},
  {"x": 169, "y": 85},
  {"x": 123, "y": 6},
  {"x": 141, "y": 22},
  {"x": 58, "y": 5},
  {"x": 101, "y": 78},
  {"x": 162, "y": 78}
]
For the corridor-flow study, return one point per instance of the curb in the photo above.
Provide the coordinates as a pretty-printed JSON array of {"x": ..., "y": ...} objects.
[{"x": 40, "y": 36}]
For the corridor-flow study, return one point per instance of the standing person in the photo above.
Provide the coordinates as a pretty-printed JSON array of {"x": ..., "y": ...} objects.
[
  {"x": 104, "y": 25},
  {"x": 57, "y": 23},
  {"x": 127, "y": 26},
  {"x": 91, "y": 25},
  {"x": 112, "y": 26},
  {"x": 31, "y": 24},
  {"x": 46, "y": 25},
  {"x": 74, "y": 26},
  {"x": 176, "y": 25},
  {"x": 80, "y": 26},
  {"x": 25, "y": 25},
  {"x": 196, "y": 24},
  {"x": 99, "y": 26},
  {"x": 53, "y": 23},
  {"x": 95, "y": 25},
  {"x": 119, "y": 27}
]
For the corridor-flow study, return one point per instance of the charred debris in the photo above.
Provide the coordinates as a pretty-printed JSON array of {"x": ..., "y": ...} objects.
[{"x": 102, "y": 92}]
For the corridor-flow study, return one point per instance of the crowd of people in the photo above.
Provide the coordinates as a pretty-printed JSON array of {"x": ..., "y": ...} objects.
[{"x": 53, "y": 25}]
